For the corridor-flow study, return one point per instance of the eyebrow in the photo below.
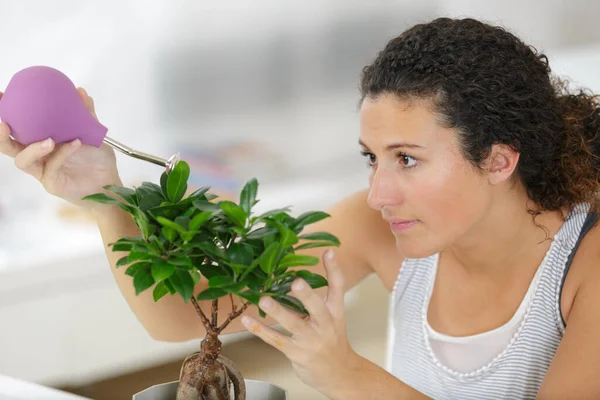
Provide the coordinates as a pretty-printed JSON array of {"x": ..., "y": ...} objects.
[{"x": 395, "y": 145}]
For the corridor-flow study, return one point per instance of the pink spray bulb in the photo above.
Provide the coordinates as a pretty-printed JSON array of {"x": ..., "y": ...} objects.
[{"x": 41, "y": 102}]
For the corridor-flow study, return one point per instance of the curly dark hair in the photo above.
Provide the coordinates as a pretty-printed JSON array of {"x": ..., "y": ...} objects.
[{"x": 495, "y": 89}]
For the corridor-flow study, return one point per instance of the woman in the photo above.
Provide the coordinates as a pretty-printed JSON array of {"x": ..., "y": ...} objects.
[{"x": 483, "y": 187}]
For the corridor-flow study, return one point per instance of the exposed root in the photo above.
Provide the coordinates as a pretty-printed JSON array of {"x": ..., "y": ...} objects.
[
  {"x": 239, "y": 385},
  {"x": 207, "y": 375}
]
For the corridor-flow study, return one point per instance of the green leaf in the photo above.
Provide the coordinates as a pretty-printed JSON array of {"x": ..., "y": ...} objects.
[
  {"x": 156, "y": 244},
  {"x": 147, "y": 198},
  {"x": 220, "y": 281},
  {"x": 131, "y": 271},
  {"x": 211, "y": 294},
  {"x": 102, "y": 198},
  {"x": 169, "y": 286},
  {"x": 206, "y": 206},
  {"x": 311, "y": 245},
  {"x": 282, "y": 288},
  {"x": 269, "y": 239},
  {"x": 324, "y": 236},
  {"x": 122, "y": 261},
  {"x": 189, "y": 212},
  {"x": 295, "y": 260},
  {"x": 183, "y": 284},
  {"x": 260, "y": 233},
  {"x": 273, "y": 212},
  {"x": 292, "y": 303},
  {"x": 160, "y": 290},
  {"x": 210, "y": 271},
  {"x": 235, "y": 288},
  {"x": 167, "y": 222},
  {"x": 235, "y": 212},
  {"x": 138, "y": 256},
  {"x": 314, "y": 280},
  {"x": 254, "y": 282},
  {"x": 169, "y": 233},
  {"x": 125, "y": 193},
  {"x": 183, "y": 221},
  {"x": 288, "y": 238},
  {"x": 180, "y": 261},
  {"x": 248, "y": 195},
  {"x": 240, "y": 253},
  {"x": 177, "y": 181},
  {"x": 154, "y": 187},
  {"x": 121, "y": 246},
  {"x": 162, "y": 270},
  {"x": 251, "y": 295},
  {"x": 308, "y": 218},
  {"x": 281, "y": 219},
  {"x": 142, "y": 280},
  {"x": 163, "y": 184},
  {"x": 207, "y": 247},
  {"x": 195, "y": 276},
  {"x": 269, "y": 257},
  {"x": 211, "y": 196},
  {"x": 199, "y": 220},
  {"x": 199, "y": 192},
  {"x": 142, "y": 221}
]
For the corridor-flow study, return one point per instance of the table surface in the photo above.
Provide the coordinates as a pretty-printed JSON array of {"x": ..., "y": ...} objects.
[{"x": 15, "y": 389}]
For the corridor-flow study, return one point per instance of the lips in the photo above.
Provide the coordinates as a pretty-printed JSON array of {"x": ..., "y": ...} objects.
[{"x": 401, "y": 225}]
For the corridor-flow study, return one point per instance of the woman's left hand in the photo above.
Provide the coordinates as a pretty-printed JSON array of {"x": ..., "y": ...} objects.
[{"x": 318, "y": 348}]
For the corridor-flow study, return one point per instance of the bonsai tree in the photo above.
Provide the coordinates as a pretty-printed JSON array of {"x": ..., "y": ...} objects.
[{"x": 186, "y": 240}]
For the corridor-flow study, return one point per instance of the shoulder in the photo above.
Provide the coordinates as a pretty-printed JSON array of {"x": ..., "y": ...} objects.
[
  {"x": 585, "y": 269},
  {"x": 571, "y": 373}
]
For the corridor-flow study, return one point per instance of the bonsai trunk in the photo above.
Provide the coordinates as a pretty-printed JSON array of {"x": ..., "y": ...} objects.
[{"x": 208, "y": 375}]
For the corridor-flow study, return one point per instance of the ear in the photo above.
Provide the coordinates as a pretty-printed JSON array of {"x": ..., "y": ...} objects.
[{"x": 501, "y": 163}]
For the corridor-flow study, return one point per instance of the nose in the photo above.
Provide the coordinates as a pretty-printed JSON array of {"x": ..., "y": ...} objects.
[{"x": 384, "y": 190}]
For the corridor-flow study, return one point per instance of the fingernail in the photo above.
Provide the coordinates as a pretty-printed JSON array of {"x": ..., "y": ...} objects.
[
  {"x": 298, "y": 284},
  {"x": 75, "y": 142},
  {"x": 246, "y": 320},
  {"x": 46, "y": 144},
  {"x": 329, "y": 254},
  {"x": 266, "y": 303}
]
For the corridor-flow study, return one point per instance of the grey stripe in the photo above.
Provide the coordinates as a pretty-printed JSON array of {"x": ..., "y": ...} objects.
[{"x": 519, "y": 370}]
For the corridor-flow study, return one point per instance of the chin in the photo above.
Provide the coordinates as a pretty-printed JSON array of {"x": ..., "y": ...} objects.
[{"x": 416, "y": 248}]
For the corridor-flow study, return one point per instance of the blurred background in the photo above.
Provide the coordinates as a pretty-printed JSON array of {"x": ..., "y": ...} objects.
[{"x": 264, "y": 89}]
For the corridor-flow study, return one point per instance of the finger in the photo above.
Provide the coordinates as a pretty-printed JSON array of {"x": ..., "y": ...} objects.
[
  {"x": 8, "y": 146},
  {"x": 336, "y": 289},
  {"x": 58, "y": 159},
  {"x": 30, "y": 159},
  {"x": 87, "y": 101},
  {"x": 268, "y": 335},
  {"x": 289, "y": 320},
  {"x": 314, "y": 304}
]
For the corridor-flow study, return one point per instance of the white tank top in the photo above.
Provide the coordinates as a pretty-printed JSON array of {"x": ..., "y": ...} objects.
[
  {"x": 467, "y": 353},
  {"x": 509, "y": 362}
]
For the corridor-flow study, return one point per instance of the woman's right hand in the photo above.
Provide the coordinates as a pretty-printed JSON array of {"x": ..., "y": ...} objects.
[{"x": 71, "y": 170}]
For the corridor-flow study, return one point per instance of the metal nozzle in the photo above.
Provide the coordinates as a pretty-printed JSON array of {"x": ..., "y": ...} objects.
[{"x": 167, "y": 164}]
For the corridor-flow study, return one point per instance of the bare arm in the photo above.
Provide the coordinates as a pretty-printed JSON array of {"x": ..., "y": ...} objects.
[{"x": 573, "y": 373}]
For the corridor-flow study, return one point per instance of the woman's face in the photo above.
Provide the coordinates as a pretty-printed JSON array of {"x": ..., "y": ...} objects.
[{"x": 417, "y": 174}]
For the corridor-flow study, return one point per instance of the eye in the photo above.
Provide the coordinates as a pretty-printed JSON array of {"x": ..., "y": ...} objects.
[
  {"x": 406, "y": 160},
  {"x": 371, "y": 158}
]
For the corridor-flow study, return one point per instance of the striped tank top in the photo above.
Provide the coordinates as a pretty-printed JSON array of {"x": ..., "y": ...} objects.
[{"x": 518, "y": 370}]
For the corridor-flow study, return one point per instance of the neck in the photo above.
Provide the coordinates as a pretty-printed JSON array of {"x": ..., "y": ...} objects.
[{"x": 506, "y": 239}]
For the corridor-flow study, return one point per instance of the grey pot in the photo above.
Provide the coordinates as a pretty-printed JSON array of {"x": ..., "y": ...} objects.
[{"x": 255, "y": 390}]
